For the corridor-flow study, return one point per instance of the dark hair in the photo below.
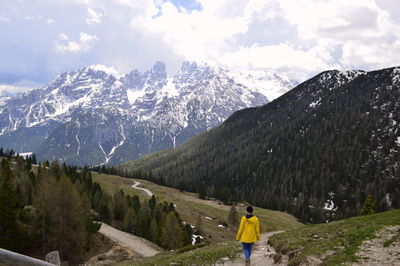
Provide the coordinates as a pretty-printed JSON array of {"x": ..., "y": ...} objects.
[{"x": 249, "y": 209}]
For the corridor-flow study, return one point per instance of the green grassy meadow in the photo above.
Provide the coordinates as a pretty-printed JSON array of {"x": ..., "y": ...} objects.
[{"x": 337, "y": 242}]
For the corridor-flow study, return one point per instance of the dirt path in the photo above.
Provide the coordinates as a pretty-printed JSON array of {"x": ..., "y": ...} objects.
[
  {"x": 137, "y": 244},
  {"x": 373, "y": 251},
  {"x": 262, "y": 254},
  {"x": 148, "y": 192}
]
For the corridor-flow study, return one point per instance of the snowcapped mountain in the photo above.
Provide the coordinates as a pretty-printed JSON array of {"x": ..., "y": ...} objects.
[
  {"x": 4, "y": 96},
  {"x": 94, "y": 116}
]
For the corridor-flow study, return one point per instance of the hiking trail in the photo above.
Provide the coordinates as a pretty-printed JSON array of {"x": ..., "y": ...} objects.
[
  {"x": 373, "y": 251},
  {"x": 262, "y": 254},
  {"x": 148, "y": 192}
]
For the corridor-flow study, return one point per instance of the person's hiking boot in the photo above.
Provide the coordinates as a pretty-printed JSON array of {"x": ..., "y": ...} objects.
[{"x": 247, "y": 262}]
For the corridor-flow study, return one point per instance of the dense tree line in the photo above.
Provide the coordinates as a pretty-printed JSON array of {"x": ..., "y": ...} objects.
[
  {"x": 316, "y": 152},
  {"x": 45, "y": 207},
  {"x": 50, "y": 207}
]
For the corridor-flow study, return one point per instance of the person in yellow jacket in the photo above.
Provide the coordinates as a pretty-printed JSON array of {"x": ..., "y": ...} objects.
[{"x": 249, "y": 232}]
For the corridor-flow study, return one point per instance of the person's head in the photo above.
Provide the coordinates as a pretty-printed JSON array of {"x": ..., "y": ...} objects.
[{"x": 249, "y": 209}]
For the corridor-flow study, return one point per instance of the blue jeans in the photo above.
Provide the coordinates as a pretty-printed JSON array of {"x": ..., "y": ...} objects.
[{"x": 247, "y": 249}]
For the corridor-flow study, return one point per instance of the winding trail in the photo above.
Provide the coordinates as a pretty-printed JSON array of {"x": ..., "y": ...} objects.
[
  {"x": 148, "y": 192},
  {"x": 262, "y": 254},
  {"x": 137, "y": 244}
]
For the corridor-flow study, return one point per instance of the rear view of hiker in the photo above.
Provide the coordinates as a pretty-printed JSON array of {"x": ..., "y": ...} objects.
[{"x": 249, "y": 232}]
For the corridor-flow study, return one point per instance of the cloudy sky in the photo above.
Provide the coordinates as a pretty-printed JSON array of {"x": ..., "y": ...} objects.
[{"x": 41, "y": 38}]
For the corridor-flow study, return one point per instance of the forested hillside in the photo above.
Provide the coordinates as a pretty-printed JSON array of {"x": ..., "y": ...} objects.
[
  {"x": 316, "y": 152},
  {"x": 50, "y": 207}
]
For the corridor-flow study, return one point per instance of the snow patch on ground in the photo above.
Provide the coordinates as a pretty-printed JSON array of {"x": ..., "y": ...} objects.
[
  {"x": 398, "y": 141},
  {"x": 270, "y": 85},
  {"x": 194, "y": 237},
  {"x": 330, "y": 206},
  {"x": 315, "y": 103},
  {"x": 25, "y": 154}
]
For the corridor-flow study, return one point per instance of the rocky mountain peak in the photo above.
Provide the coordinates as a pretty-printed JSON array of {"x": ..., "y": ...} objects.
[{"x": 93, "y": 115}]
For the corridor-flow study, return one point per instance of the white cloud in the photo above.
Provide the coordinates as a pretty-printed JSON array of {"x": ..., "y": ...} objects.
[
  {"x": 327, "y": 34},
  {"x": 4, "y": 19},
  {"x": 30, "y": 17},
  {"x": 299, "y": 37},
  {"x": 296, "y": 63},
  {"x": 357, "y": 54},
  {"x": 11, "y": 89},
  {"x": 63, "y": 36},
  {"x": 108, "y": 70},
  {"x": 196, "y": 35},
  {"x": 84, "y": 43},
  {"x": 143, "y": 7},
  {"x": 50, "y": 21},
  {"x": 94, "y": 17}
]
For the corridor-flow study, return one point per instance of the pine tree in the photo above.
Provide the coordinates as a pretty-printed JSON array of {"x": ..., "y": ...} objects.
[
  {"x": 202, "y": 191},
  {"x": 188, "y": 234},
  {"x": 68, "y": 233},
  {"x": 120, "y": 205},
  {"x": 44, "y": 204},
  {"x": 154, "y": 231},
  {"x": 171, "y": 233},
  {"x": 199, "y": 225},
  {"x": 135, "y": 202},
  {"x": 128, "y": 221},
  {"x": 369, "y": 206},
  {"x": 34, "y": 161},
  {"x": 152, "y": 202},
  {"x": 225, "y": 195},
  {"x": 233, "y": 217},
  {"x": 106, "y": 212},
  {"x": 9, "y": 231}
]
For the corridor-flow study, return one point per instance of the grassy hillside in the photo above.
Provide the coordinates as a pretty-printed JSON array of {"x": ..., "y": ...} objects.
[
  {"x": 111, "y": 183},
  {"x": 190, "y": 208},
  {"x": 336, "y": 242}
]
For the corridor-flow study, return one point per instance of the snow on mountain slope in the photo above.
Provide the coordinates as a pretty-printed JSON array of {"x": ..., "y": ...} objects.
[
  {"x": 271, "y": 85},
  {"x": 94, "y": 115}
]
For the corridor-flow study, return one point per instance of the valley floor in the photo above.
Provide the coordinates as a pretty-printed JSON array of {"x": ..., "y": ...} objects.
[
  {"x": 364, "y": 240},
  {"x": 208, "y": 214}
]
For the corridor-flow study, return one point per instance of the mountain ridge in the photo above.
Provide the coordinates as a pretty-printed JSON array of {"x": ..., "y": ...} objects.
[{"x": 96, "y": 116}]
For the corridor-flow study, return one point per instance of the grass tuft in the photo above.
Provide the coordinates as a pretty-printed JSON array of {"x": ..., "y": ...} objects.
[{"x": 393, "y": 239}]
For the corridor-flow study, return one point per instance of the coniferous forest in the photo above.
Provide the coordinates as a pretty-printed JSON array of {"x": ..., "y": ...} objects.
[
  {"x": 317, "y": 151},
  {"x": 48, "y": 207}
]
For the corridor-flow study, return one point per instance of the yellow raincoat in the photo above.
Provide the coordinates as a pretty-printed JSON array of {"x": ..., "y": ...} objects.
[{"x": 249, "y": 230}]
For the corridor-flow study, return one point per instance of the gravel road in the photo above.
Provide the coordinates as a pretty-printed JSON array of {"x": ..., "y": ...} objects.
[
  {"x": 135, "y": 186},
  {"x": 135, "y": 243}
]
